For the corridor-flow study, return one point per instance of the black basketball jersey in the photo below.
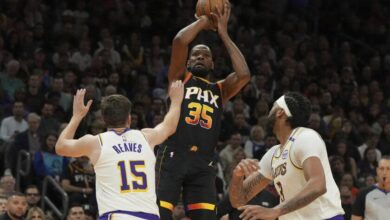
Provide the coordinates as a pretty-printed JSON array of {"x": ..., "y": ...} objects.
[{"x": 199, "y": 124}]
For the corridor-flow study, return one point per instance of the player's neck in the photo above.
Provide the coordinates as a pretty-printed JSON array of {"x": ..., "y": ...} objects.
[
  {"x": 384, "y": 186},
  {"x": 283, "y": 133},
  {"x": 118, "y": 130}
]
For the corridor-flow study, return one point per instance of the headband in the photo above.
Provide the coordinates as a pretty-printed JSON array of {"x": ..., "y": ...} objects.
[{"x": 282, "y": 103}]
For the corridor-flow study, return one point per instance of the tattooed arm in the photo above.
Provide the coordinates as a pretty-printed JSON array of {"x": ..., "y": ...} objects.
[
  {"x": 240, "y": 191},
  {"x": 314, "y": 188}
]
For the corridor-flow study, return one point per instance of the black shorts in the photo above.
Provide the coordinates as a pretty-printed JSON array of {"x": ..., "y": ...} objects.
[{"x": 188, "y": 173}]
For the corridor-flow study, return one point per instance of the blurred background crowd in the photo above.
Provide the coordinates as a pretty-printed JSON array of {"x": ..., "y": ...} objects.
[{"x": 335, "y": 52}]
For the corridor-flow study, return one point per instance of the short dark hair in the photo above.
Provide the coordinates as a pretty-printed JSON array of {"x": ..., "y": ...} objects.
[
  {"x": 115, "y": 109},
  {"x": 299, "y": 107},
  {"x": 385, "y": 157},
  {"x": 31, "y": 187},
  {"x": 15, "y": 193}
]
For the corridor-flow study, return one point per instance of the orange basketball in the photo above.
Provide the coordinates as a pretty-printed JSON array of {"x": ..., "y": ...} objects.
[{"x": 205, "y": 7}]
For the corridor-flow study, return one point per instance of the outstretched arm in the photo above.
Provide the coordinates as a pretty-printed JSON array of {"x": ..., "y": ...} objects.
[
  {"x": 240, "y": 191},
  {"x": 66, "y": 144},
  {"x": 234, "y": 82},
  {"x": 180, "y": 44},
  {"x": 168, "y": 126}
]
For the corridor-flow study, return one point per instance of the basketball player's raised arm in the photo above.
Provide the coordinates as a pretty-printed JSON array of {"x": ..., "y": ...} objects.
[
  {"x": 240, "y": 190},
  {"x": 66, "y": 144},
  {"x": 180, "y": 44},
  {"x": 235, "y": 81},
  {"x": 167, "y": 127}
]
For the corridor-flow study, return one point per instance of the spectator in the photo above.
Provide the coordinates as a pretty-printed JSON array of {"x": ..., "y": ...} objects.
[
  {"x": 48, "y": 122},
  {"x": 9, "y": 80},
  {"x": 78, "y": 180},
  {"x": 28, "y": 140},
  {"x": 35, "y": 213},
  {"x": 16, "y": 207},
  {"x": 348, "y": 181},
  {"x": 369, "y": 163},
  {"x": 57, "y": 85},
  {"x": 3, "y": 204},
  {"x": 226, "y": 154},
  {"x": 384, "y": 142},
  {"x": 33, "y": 196},
  {"x": 14, "y": 124},
  {"x": 76, "y": 212},
  {"x": 255, "y": 144},
  {"x": 82, "y": 57},
  {"x": 7, "y": 183},
  {"x": 47, "y": 162},
  {"x": 346, "y": 201},
  {"x": 342, "y": 150},
  {"x": 35, "y": 95},
  {"x": 372, "y": 202}
]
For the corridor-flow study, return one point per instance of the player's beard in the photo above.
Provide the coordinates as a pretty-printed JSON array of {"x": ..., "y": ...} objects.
[
  {"x": 199, "y": 71},
  {"x": 271, "y": 122}
]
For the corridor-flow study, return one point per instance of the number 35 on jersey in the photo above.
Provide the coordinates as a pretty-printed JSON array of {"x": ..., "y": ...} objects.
[{"x": 200, "y": 113}]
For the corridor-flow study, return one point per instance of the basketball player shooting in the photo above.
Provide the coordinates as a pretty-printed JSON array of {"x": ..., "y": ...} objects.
[
  {"x": 298, "y": 166},
  {"x": 123, "y": 158},
  {"x": 186, "y": 158}
]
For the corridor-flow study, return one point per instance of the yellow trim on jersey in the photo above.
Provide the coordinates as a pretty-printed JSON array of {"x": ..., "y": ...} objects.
[
  {"x": 203, "y": 79},
  {"x": 100, "y": 140},
  {"x": 289, "y": 153},
  {"x": 196, "y": 206},
  {"x": 282, "y": 147},
  {"x": 166, "y": 205}
]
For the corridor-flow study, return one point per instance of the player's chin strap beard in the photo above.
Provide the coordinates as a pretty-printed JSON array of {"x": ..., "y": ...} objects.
[{"x": 200, "y": 71}]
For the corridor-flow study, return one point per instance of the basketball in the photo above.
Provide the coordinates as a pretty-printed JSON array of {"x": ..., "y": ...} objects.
[{"x": 205, "y": 7}]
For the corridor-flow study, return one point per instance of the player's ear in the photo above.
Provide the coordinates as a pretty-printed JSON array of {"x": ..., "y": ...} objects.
[
  {"x": 129, "y": 120},
  {"x": 279, "y": 112}
]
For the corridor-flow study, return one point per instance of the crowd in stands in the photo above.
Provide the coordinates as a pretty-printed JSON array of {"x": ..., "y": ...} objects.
[{"x": 335, "y": 52}]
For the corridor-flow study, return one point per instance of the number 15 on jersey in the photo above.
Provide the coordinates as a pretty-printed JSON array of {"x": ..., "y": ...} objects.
[{"x": 139, "y": 181}]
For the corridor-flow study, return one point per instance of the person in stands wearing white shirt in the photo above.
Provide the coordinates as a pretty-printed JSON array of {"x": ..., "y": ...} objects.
[
  {"x": 12, "y": 125},
  {"x": 298, "y": 166}
]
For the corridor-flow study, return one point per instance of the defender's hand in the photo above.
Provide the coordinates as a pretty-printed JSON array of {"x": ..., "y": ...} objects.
[
  {"x": 176, "y": 91},
  {"x": 79, "y": 108},
  {"x": 246, "y": 167}
]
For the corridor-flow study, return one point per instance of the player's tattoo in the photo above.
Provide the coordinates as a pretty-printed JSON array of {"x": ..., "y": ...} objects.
[
  {"x": 297, "y": 203},
  {"x": 241, "y": 193},
  {"x": 250, "y": 186}
]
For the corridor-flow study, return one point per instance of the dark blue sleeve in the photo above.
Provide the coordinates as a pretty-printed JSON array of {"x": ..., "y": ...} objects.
[{"x": 38, "y": 164}]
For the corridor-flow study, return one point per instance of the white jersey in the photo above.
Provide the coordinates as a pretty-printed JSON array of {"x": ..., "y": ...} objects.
[
  {"x": 284, "y": 165},
  {"x": 125, "y": 176}
]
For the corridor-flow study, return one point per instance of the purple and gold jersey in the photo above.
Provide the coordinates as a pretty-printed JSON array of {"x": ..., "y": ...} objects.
[{"x": 125, "y": 176}]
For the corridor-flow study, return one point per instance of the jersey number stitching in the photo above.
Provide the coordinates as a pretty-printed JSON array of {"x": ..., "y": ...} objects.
[
  {"x": 139, "y": 181},
  {"x": 199, "y": 113}
]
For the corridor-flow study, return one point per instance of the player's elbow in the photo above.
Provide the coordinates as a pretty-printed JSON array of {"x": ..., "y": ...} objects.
[
  {"x": 59, "y": 149},
  {"x": 245, "y": 77},
  {"x": 178, "y": 39},
  {"x": 321, "y": 188}
]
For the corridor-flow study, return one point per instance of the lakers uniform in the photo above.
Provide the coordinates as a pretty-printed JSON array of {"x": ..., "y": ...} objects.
[
  {"x": 125, "y": 177},
  {"x": 186, "y": 158},
  {"x": 283, "y": 165}
]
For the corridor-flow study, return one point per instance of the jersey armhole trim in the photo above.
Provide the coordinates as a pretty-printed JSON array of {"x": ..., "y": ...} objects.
[
  {"x": 220, "y": 86},
  {"x": 100, "y": 140},
  {"x": 187, "y": 77}
]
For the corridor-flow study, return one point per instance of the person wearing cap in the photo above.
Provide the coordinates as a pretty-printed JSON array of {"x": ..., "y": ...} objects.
[{"x": 298, "y": 166}]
